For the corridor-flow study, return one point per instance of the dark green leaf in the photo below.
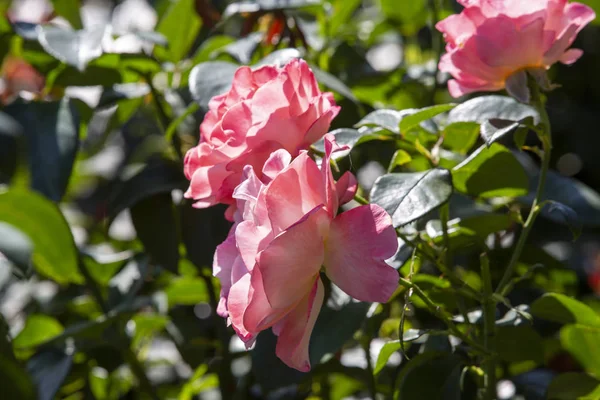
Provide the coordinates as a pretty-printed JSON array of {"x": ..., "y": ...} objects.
[
  {"x": 461, "y": 136},
  {"x": 15, "y": 382},
  {"x": 76, "y": 48},
  {"x": 334, "y": 83},
  {"x": 210, "y": 79},
  {"x": 52, "y": 132},
  {"x": 93, "y": 75},
  {"x": 495, "y": 129},
  {"x": 431, "y": 376},
  {"x": 54, "y": 254},
  {"x": 582, "y": 199},
  {"x": 124, "y": 286},
  {"x": 570, "y": 217},
  {"x": 155, "y": 223},
  {"x": 574, "y": 386},
  {"x": 180, "y": 26},
  {"x": 48, "y": 370},
  {"x": 123, "y": 91},
  {"x": 485, "y": 108},
  {"x": 270, "y": 372},
  {"x": 565, "y": 310},
  {"x": 519, "y": 343},
  {"x": 103, "y": 266},
  {"x": 582, "y": 342},
  {"x": 334, "y": 328},
  {"x": 409, "y": 196},
  {"x": 411, "y": 121},
  {"x": 478, "y": 174},
  {"x": 38, "y": 330},
  {"x": 17, "y": 247},
  {"x": 202, "y": 230},
  {"x": 159, "y": 177},
  {"x": 252, "y": 6}
]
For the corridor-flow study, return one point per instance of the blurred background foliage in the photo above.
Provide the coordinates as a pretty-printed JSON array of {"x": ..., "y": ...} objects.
[{"x": 105, "y": 270}]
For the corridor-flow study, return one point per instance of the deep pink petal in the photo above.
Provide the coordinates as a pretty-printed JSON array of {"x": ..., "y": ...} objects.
[
  {"x": 570, "y": 56},
  {"x": 294, "y": 334},
  {"x": 359, "y": 242}
]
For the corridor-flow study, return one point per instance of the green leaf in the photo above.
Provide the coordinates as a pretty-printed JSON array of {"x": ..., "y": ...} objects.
[
  {"x": 565, "y": 310},
  {"x": 52, "y": 132},
  {"x": 461, "y": 136},
  {"x": 123, "y": 287},
  {"x": 409, "y": 196},
  {"x": 147, "y": 326},
  {"x": 69, "y": 10},
  {"x": 574, "y": 386},
  {"x": 180, "y": 25},
  {"x": 393, "y": 346},
  {"x": 519, "y": 343},
  {"x": 55, "y": 254},
  {"x": 76, "y": 48},
  {"x": 342, "y": 14},
  {"x": 48, "y": 370},
  {"x": 210, "y": 46},
  {"x": 478, "y": 174},
  {"x": 582, "y": 342},
  {"x": 38, "y": 330},
  {"x": 431, "y": 376},
  {"x": 187, "y": 291},
  {"x": 399, "y": 158},
  {"x": 411, "y": 121},
  {"x": 387, "y": 119},
  {"x": 210, "y": 79},
  {"x": 15, "y": 382},
  {"x": 279, "y": 57},
  {"x": 156, "y": 227}
]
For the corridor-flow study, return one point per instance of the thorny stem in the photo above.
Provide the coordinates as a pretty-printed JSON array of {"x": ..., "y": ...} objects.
[
  {"x": 489, "y": 330},
  {"x": 437, "y": 311},
  {"x": 124, "y": 342},
  {"x": 545, "y": 136}
]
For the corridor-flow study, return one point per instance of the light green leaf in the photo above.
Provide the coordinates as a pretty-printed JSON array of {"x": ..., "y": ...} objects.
[
  {"x": 55, "y": 254},
  {"x": 180, "y": 25},
  {"x": 38, "y": 330}
]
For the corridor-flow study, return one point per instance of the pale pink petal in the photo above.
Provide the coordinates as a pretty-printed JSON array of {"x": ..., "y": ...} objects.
[
  {"x": 251, "y": 239},
  {"x": 320, "y": 126},
  {"x": 359, "y": 242},
  {"x": 259, "y": 315},
  {"x": 237, "y": 302},
  {"x": 294, "y": 334},
  {"x": 278, "y": 160},
  {"x": 291, "y": 262},
  {"x": 346, "y": 187},
  {"x": 456, "y": 28},
  {"x": 295, "y": 191},
  {"x": 570, "y": 56}
]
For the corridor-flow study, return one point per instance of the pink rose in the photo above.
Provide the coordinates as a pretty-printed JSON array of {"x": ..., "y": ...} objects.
[
  {"x": 266, "y": 109},
  {"x": 287, "y": 231},
  {"x": 491, "y": 43}
]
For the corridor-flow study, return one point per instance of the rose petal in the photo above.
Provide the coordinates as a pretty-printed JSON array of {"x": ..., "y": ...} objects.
[
  {"x": 294, "y": 334},
  {"x": 358, "y": 243}
]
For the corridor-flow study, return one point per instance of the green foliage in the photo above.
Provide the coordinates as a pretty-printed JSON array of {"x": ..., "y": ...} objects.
[{"x": 106, "y": 286}]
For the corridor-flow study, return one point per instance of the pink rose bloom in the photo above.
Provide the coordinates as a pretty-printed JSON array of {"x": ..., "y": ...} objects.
[
  {"x": 287, "y": 231},
  {"x": 266, "y": 109},
  {"x": 491, "y": 43}
]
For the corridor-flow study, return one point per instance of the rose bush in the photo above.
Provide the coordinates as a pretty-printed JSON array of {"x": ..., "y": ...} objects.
[
  {"x": 491, "y": 43},
  {"x": 266, "y": 109},
  {"x": 287, "y": 229}
]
